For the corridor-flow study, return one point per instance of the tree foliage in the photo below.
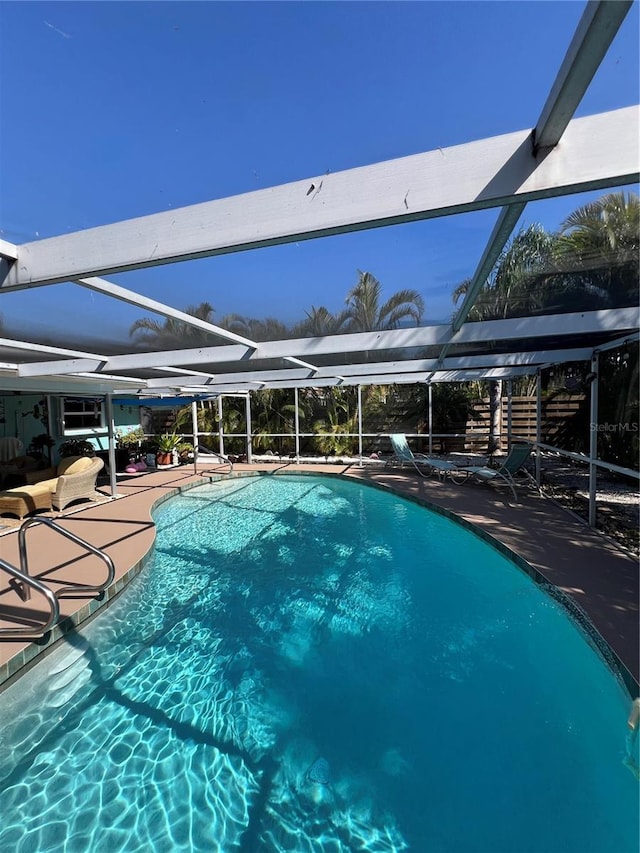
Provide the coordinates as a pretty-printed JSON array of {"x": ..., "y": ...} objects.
[
  {"x": 591, "y": 263},
  {"x": 171, "y": 333}
]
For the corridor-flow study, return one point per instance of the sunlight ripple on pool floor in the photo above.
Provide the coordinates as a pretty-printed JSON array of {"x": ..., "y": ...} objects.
[{"x": 312, "y": 665}]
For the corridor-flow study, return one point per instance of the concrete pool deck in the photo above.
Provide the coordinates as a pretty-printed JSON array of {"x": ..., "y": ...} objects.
[{"x": 596, "y": 574}]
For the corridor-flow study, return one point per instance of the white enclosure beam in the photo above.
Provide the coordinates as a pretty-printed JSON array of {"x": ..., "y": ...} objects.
[
  {"x": 137, "y": 361},
  {"x": 438, "y": 376},
  {"x": 593, "y": 441},
  {"x": 594, "y": 34},
  {"x": 255, "y": 376},
  {"x": 43, "y": 348},
  {"x": 538, "y": 427},
  {"x": 512, "y": 329},
  {"x": 621, "y": 342},
  {"x": 430, "y": 416},
  {"x": 194, "y": 427},
  {"x": 285, "y": 383},
  {"x": 395, "y": 379},
  {"x": 596, "y": 30},
  {"x": 501, "y": 231},
  {"x": 88, "y": 359},
  {"x": 379, "y": 369},
  {"x": 296, "y": 411},
  {"x": 587, "y": 322},
  {"x": 372, "y": 379},
  {"x": 77, "y": 385},
  {"x": 8, "y": 250},
  {"x": 99, "y": 285},
  {"x": 111, "y": 428},
  {"x": 247, "y": 414},
  {"x": 181, "y": 370},
  {"x": 597, "y": 152},
  {"x": 220, "y": 428},
  {"x": 359, "y": 423},
  {"x": 489, "y": 373}
]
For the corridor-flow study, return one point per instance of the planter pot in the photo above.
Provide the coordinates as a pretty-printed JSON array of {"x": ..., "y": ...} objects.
[{"x": 164, "y": 458}]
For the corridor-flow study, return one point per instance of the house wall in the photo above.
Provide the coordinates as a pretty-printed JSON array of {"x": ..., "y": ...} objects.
[{"x": 18, "y": 418}]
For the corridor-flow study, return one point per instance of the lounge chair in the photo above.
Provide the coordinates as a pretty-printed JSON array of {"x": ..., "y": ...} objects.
[
  {"x": 424, "y": 465},
  {"x": 74, "y": 478},
  {"x": 504, "y": 475}
]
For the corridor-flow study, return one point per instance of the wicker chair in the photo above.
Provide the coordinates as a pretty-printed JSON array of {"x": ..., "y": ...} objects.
[{"x": 72, "y": 479}]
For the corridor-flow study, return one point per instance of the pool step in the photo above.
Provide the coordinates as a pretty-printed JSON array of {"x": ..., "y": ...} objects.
[
  {"x": 63, "y": 690},
  {"x": 68, "y": 675}
]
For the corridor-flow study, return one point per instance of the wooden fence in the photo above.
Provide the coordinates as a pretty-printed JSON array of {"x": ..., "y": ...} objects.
[{"x": 556, "y": 411}]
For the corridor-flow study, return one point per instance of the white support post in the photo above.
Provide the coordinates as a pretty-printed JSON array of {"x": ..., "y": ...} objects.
[
  {"x": 538, "y": 425},
  {"x": 509, "y": 412},
  {"x": 220, "y": 430},
  {"x": 49, "y": 423},
  {"x": 247, "y": 409},
  {"x": 360, "y": 425},
  {"x": 297, "y": 423},
  {"x": 113, "y": 483},
  {"x": 194, "y": 421},
  {"x": 430, "y": 417},
  {"x": 593, "y": 442}
]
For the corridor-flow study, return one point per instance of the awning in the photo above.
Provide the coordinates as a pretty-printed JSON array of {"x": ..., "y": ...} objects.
[{"x": 161, "y": 402}]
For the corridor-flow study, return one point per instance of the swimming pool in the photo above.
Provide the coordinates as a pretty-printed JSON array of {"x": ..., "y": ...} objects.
[{"x": 311, "y": 664}]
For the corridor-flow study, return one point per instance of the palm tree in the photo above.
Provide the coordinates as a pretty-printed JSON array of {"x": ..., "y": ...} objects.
[
  {"x": 273, "y": 413},
  {"x": 519, "y": 282},
  {"x": 598, "y": 245},
  {"x": 336, "y": 427},
  {"x": 269, "y": 329},
  {"x": 175, "y": 334},
  {"x": 320, "y": 322},
  {"x": 364, "y": 313}
]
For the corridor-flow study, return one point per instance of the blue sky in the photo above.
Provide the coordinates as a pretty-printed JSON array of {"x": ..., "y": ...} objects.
[{"x": 112, "y": 110}]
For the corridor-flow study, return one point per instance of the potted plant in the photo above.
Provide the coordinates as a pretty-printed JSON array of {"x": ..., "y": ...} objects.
[
  {"x": 76, "y": 447},
  {"x": 185, "y": 451},
  {"x": 167, "y": 443},
  {"x": 39, "y": 444}
]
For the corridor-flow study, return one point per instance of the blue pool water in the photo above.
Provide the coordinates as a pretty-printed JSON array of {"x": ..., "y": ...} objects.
[{"x": 309, "y": 664}]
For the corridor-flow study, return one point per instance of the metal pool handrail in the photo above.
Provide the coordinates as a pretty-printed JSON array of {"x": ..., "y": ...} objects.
[
  {"x": 26, "y": 582},
  {"x": 24, "y": 563},
  {"x": 224, "y": 460}
]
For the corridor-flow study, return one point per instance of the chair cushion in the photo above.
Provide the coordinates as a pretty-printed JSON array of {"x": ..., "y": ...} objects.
[
  {"x": 49, "y": 485},
  {"x": 74, "y": 465},
  {"x": 18, "y": 491},
  {"x": 24, "y": 499}
]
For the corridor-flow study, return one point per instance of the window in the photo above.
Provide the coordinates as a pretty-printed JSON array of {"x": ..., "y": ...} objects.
[{"x": 82, "y": 414}]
